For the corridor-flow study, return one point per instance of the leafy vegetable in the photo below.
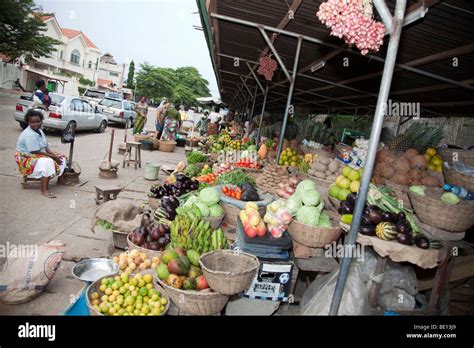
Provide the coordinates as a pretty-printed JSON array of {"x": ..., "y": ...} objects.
[
  {"x": 420, "y": 189},
  {"x": 293, "y": 203},
  {"x": 308, "y": 215},
  {"x": 216, "y": 210},
  {"x": 209, "y": 196},
  {"x": 105, "y": 224},
  {"x": 324, "y": 220},
  {"x": 191, "y": 170},
  {"x": 235, "y": 177},
  {"x": 191, "y": 201},
  {"x": 311, "y": 197},
  {"x": 203, "y": 209},
  {"x": 196, "y": 157},
  {"x": 306, "y": 185},
  {"x": 450, "y": 198}
]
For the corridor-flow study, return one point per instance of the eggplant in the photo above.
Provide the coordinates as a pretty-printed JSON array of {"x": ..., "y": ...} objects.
[
  {"x": 404, "y": 238},
  {"x": 153, "y": 245},
  {"x": 345, "y": 209},
  {"x": 367, "y": 230},
  {"x": 403, "y": 226},
  {"x": 375, "y": 217},
  {"x": 401, "y": 216},
  {"x": 181, "y": 178},
  {"x": 138, "y": 238},
  {"x": 348, "y": 205},
  {"x": 179, "y": 185},
  {"x": 155, "y": 234},
  {"x": 389, "y": 217},
  {"x": 162, "y": 242},
  {"x": 422, "y": 242},
  {"x": 351, "y": 197},
  {"x": 161, "y": 230},
  {"x": 167, "y": 237},
  {"x": 365, "y": 220}
]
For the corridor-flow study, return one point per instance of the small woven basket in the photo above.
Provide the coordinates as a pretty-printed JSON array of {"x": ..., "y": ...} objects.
[
  {"x": 120, "y": 239},
  {"x": 192, "y": 302},
  {"x": 228, "y": 272},
  {"x": 167, "y": 146},
  {"x": 450, "y": 217},
  {"x": 453, "y": 177},
  {"x": 95, "y": 287},
  {"x": 150, "y": 253},
  {"x": 315, "y": 237}
]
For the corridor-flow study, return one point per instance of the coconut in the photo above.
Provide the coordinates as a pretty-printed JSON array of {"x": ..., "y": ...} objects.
[
  {"x": 402, "y": 165},
  {"x": 401, "y": 178},
  {"x": 415, "y": 174},
  {"x": 431, "y": 181},
  {"x": 382, "y": 154},
  {"x": 387, "y": 172},
  {"x": 415, "y": 182},
  {"x": 390, "y": 158},
  {"x": 410, "y": 153},
  {"x": 418, "y": 161},
  {"x": 378, "y": 180}
]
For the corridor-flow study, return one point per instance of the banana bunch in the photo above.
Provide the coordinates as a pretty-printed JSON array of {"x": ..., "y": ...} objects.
[
  {"x": 308, "y": 158},
  {"x": 192, "y": 212},
  {"x": 386, "y": 231}
]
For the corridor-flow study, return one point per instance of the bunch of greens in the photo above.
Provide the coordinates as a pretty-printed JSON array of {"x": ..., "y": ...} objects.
[
  {"x": 235, "y": 177},
  {"x": 192, "y": 170},
  {"x": 105, "y": 225},
  {"x": 196, "y": 157}
]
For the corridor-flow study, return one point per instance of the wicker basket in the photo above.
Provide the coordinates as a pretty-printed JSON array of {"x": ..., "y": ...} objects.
[
  {"x": 150, "y": 253},
  {"x": 465, "y": 156},
  {"x": 228, "y": 272},
  {"x": 432, "y": 211},
  {"x": 216, "y": 222},
  {"x": 453, "y": 177},
  {"x": 315, "y": 237},
  {"x": 192, "y": 302},
  {"x": 232, "y": 213},
  {"x": 167, "y": 146},
  {"x": 95, "y": 287},
  {"x": 154, "y": 203},
  {"x": 120, "y": 239}
]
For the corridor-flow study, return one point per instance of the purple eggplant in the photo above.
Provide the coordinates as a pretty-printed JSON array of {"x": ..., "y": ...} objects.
[
  {"x": 375, "y": 217},
  {"x": 389, "y": 217},
  {"x": 403, "y": 226},
  {"x": 401, "y": 216},
  {"x": 367, "y": 230},
  {"x": 422, "y": 242},
  {"x": 404, "y": 238}
]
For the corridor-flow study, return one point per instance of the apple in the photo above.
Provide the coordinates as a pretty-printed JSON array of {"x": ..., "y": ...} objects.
[
  {"x": 250, "y": 231},
  {"x": 276, "y": 232},
  {"x": 254, "y": 219},
  {"x": 201, "y": 283},
  {"x": 261, "y": 230}
]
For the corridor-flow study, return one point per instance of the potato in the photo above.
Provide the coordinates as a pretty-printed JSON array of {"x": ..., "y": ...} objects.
[
  {"x": 333, "y": 166},
  {"x": 320, "y": 167},
  {"x": 324, "y": 160},
  {"x": 321, "y": 175}
]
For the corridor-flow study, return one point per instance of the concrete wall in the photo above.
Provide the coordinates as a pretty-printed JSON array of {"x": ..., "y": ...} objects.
[
  {"x": 8, "y": 75},
  {"x": 106, "y": 69}
]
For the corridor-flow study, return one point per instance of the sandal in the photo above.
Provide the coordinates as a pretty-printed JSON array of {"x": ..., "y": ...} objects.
[{"x": 50, "y": 195}]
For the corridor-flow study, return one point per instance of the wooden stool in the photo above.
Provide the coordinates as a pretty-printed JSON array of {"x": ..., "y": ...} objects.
[
  {"x": 128, "y": 152},
  {"x": 27, "y": 181},
  {"x": 106, "y": 193}
]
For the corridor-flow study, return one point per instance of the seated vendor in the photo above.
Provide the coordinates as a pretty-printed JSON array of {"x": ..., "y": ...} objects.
[{"x": 33, "y": 155}]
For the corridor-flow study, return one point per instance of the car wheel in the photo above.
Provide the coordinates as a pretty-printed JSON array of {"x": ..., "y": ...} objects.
[
  {"x": 102, "y": 127},
  {"x": 130, "y": 123},
  {"x": 70, "y": 129},
  {"x": 23, "y": 125}
]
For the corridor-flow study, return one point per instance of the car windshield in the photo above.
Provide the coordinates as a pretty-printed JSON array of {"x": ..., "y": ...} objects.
[
  {"x": 94, "y": 94},
  {"x": 56, "y": 99},
  {"x": 111, "y": 103}
]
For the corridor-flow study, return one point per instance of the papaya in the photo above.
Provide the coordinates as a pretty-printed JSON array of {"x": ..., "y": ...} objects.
[{"x": 262, "y": 152}]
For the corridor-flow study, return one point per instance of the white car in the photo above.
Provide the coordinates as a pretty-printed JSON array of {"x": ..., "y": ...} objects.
[
  {"x": 118, "y": 110},
  {"x": 63, "y": 113}
]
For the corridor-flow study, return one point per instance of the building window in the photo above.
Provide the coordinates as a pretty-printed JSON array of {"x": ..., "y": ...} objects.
[
  {"x": 90, "y": 64},
  {"x": 114, "y": 74},
  {"x": 75, "y": 57},
  {"x": 60, "y": 54}
]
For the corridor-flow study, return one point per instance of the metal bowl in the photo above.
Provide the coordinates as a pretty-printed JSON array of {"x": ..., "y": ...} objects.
[{"x": 92, "y": 269}]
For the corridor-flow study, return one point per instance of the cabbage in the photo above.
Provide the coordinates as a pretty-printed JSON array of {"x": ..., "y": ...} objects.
[
  {"x": 320, "y": 206},
  {"x": 420, "y": 189},
  {"x": 191, "y": 201},
  {"x": 209, "y": 196},
  {"x": 450, "y": 198},
  {"x": 324, "y": 220},
  {"x": 306, "y": 185},
  {"x": 293, "y": 203},
  {"x": 203, "y": 208},
  {"x": 216, "y": 210},
  {"x": 308, "y": 215},
  {"x": 311, "y": 197}
]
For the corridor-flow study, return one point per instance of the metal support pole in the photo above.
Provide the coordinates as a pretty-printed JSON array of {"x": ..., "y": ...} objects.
[
  {"x": 373, "y": 142},
  {"x": 274, "y": 51},
  {"x": 290, "y": 95},
  {"x": 385, "y": 14},
  {"x": 253, "y": 105},
  {"x": 245, "y": 85},
  {"x": 261, "y": 115}
]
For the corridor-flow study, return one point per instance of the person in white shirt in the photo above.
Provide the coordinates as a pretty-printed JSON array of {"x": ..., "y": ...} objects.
[{"x": 214, "y": 119}]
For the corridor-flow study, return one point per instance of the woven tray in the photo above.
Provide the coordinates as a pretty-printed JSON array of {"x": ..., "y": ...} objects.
[
  {"x": 204, "y": 302},
  {"x": 432, "y": 211},
  {"x": 315, "y": 237},
  {"x": 228, "y": 272},
  {"x": 150, "y": 253}
]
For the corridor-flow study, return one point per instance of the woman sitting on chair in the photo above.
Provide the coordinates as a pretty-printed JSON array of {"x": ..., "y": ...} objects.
[{"x": 33, "y": 155}]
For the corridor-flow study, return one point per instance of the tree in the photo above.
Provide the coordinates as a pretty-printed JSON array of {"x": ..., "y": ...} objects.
[
  {"x": 153, "y": 82},
  {"x": 131, "y": 75},
  {"x": 21, "y": 30},
  {"x": 190, "y": 77}
]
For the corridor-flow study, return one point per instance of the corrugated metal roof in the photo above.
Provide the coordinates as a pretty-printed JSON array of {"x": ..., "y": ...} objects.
[{"x": 447, "y": 26}]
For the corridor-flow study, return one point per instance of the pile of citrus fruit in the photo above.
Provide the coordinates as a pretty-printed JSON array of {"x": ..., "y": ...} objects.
[
  {"x": 435, "y": 162},
  {"x": 289, "y": 157},
  {"x": 347, "y": 182}
]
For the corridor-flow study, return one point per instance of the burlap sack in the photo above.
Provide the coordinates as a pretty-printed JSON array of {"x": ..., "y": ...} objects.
[
  {"x": 28, "y": 269},
  {"x": 123, "y": 214}
]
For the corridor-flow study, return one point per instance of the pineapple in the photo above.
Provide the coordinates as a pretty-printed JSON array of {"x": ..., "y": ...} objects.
[{"x": 419, "y": 136}]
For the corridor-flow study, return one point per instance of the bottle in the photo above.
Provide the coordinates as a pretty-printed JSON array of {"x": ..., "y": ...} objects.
[{"x": 459, "y": 191}]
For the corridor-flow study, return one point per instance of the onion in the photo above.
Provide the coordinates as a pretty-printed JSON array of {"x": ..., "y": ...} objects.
[
  {"x": 281, "y": 193},
  {"x": 281, "y": 186},
  {"x": 290, "y": 190},
  {"x": 293, "y": 181}
]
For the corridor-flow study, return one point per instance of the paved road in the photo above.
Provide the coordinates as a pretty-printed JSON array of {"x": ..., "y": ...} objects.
[{"x": 27, "y": 217}]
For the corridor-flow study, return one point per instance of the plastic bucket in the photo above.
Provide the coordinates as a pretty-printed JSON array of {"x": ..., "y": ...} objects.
[{"x": 151, "y": 171}]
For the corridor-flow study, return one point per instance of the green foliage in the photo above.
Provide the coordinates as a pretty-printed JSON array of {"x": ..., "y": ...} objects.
[
  {"x": 182, "y": 85},
  {"x": 23, "y": 34},
  {"x": 81, "y": 90},
  {"x": 131, "y": 75},
  {"x": 86, "y": 82}
]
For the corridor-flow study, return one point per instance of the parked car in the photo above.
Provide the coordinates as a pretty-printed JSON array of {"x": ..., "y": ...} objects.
[
  {"x": 93, "y": 96},
  {"x": 63, "y": 113},
  {"x": 118, "y": 110}
]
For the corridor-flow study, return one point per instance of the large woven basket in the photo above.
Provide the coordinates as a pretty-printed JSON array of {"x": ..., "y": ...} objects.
[
  {"x": 465, "y": 156},
  {"x": 232, "y": 213},
  {"x": 453, "y": 177},
  {"x": 167, "y": 146},
  {"x": 192, "y": 302},
  {"x": 315, "y": 237},
  {"x": 228, "y": 272},
  {"x": 323, "y": 188},
  {"x": 95, "y": 287},
  {"x": 432, "y": 211},
  {"x": 150, "y": 253},
  {"x": 216, "y": 222}
]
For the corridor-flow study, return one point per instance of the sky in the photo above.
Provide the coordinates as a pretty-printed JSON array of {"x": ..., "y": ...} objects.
[{"x": 159, "y": 32}]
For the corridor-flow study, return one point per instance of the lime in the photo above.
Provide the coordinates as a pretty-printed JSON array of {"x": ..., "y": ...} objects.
[
  {"x": 346, "y": 171},
  {"x": 343, "y": 194},
  {"x": 148, "y": 278},
  {"x": 103, "y": 287},
  {"x": 334, "y": 191},
  {"x": 163, "y": 301}
]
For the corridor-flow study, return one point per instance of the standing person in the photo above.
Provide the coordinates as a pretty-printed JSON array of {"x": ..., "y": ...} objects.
[
  {"x": 33, "y": 155},
  {"x": 214, "y": 118},
  {"x": 160, "y": 117},
  {"x": 202, "y": 124},
  {"x": 172, "y": 124},
  {"x": 38, "y": 96},
  {"x": 142, "y": 110}
]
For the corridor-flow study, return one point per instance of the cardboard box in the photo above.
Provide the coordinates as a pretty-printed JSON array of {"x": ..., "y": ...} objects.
[{"x": 272, "y": 282}]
